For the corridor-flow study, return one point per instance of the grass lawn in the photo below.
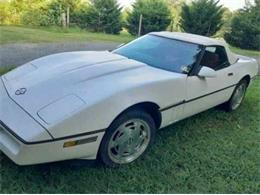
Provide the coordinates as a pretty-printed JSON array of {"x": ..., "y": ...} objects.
[
  {"x": 245, "y": 52},
  {"x": 212, "y": 152},
  {"x": 16, "y": 34},
  {"x": 19, "y": 34}
]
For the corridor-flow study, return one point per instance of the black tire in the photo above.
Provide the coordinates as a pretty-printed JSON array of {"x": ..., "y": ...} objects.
[
  {"x": 103, "y": 154},
  {"x": 228, "y": 106}
]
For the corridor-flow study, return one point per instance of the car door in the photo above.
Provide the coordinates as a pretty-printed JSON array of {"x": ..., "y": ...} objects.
[{"x": 203, "y": 93}]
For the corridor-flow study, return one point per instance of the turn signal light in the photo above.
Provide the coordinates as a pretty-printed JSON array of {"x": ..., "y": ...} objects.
[
  {"x": 69, "y": 144},
  {"x": 80, "y": 142}
]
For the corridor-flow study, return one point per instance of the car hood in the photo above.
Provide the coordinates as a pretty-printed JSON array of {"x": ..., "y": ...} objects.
[{"x": 45, "y": 80}]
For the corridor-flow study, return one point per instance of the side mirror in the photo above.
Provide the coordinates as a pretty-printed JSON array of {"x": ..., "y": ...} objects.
[{"x": 207, "y": 72}]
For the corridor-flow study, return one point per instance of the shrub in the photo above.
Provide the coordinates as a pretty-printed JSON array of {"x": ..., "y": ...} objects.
[
  {"x": 37, "y": 17},
  {"x": 156, "y": 16},
  {"x": 47, "y": 13},
  {"x": 245, "y": 28},
  {"x": 39, "y": 13},
  {"x": 203, "y": 17}
]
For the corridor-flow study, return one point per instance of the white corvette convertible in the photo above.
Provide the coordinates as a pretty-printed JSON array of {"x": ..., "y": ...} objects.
[{"x": 108, "y": 105}]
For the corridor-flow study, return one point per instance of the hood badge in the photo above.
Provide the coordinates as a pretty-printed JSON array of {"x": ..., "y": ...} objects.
[{"x": 20, "y": 91}]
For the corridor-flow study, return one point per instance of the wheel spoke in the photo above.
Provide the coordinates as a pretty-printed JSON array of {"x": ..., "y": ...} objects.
[
  {"x": 140, "y": 140},
  {"x": 121, "y": 149},
  {"x": 128, "y": 141},
  {"x": 136, "y": 134},
  {"x": 122, "y": 139}
]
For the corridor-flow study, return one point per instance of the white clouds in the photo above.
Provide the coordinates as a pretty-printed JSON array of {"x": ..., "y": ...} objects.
[
  {"x": 233, "y": 4},
  {"x": 126, "y": 3}
]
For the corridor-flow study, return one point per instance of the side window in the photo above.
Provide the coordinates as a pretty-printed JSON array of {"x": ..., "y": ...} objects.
[{"x": 215, "y": 57}]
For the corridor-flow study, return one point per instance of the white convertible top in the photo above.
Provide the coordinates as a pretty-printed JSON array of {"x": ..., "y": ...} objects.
[{"x": 197, "y": 39}]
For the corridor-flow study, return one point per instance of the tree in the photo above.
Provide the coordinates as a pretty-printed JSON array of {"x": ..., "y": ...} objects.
[
  {"x": 156, "y": 16},
  {"x": 245, "y": 28},
  {"x": 60, "y": 8},
  {"x": 35, "y": 12},
  {"x": 19, "y": 8},
  {"x": 81, "y": 17},
  {"x": 5, "y": 15},
  {"x": 175, "y": 7},
  {"x": 203, "y": 17},
  {"x": 101, "y": 16},
  {"x": 16, "y": 7},
  {"x": 226, "y": 27}
]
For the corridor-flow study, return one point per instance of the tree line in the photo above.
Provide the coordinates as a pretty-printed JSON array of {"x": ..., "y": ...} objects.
[{"x": 203, "y": 17}]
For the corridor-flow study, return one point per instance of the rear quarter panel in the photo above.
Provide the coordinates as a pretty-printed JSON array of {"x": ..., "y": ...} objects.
[{"x": 245, "y": 66}]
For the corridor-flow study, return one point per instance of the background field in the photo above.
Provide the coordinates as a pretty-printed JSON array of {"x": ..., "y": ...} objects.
[
  {"x": 20, "y": 34},
  {"x": 212, "y": 152}
]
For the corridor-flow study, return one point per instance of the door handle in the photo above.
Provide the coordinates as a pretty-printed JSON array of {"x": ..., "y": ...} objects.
[{"x": 230, "y": 74}]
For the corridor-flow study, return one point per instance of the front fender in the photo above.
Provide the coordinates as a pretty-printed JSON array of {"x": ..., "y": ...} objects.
[{"x": 99, "y": 111}]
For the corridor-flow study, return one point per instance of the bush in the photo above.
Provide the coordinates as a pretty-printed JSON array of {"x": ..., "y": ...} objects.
[
  {"x": 37, "y": 17},
  {"x": 47, "y": 13},
  {"x": 156, "y": 16},
  {"x": 245, "y": 28},
  {"x": 41, "y": 13},
  {"x": 203, "y": 17}
]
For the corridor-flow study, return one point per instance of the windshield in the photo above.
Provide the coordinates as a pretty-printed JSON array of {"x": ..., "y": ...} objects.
[{"x": 168, "y": 54}]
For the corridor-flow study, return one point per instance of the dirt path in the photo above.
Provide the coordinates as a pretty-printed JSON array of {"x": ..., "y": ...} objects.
[{"x": 18, "y": 54}]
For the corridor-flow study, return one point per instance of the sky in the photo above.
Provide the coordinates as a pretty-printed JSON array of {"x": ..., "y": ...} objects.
[{"x": 231, "y": 4}]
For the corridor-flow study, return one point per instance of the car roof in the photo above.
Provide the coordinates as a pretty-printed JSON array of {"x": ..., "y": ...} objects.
[
  {"x": 197, "y": 39},
  {"x": 192, "y": 38}
]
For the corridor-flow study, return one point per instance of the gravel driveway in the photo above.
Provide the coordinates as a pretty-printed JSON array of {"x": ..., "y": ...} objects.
[{"x": 18, "y": 54}]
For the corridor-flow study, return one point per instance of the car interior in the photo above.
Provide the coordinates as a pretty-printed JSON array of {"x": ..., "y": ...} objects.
[{"x": 215, "y": 58}]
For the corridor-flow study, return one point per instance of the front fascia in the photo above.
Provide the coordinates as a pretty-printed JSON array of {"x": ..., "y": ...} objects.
[
  {"x": 22, "y": 124},
  {"x": 51, "y": 151}
]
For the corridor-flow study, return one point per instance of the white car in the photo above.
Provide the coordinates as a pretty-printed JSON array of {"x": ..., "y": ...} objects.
[{"x": 108, "y": 105}]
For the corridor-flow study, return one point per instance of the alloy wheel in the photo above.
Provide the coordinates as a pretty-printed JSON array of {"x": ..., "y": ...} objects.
[
  {"x": 129, "y": 141},
  {"x": 238, "y": 96}
]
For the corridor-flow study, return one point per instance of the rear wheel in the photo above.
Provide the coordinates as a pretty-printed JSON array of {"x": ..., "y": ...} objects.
[
  {"x": 237, "y": 96},
  {"x": 127, "y": 139}
]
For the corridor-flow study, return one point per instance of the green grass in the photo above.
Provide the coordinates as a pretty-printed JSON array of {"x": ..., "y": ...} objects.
[
  {"x": 5, "y": 69},
  {"x": 245, "y": 52},
  {"x": 18, "y": 34},
  {"x": 212, "y": 152}
]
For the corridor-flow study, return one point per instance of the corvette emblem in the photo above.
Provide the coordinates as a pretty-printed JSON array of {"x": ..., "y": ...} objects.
[{"x": 20, "y": 91}]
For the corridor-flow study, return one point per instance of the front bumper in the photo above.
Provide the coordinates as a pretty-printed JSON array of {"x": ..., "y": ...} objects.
[
  {"x": 49, "y": 151},
  {"x": 26, "y": 142}
]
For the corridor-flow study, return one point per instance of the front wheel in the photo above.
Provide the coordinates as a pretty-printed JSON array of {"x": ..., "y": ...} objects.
[
  {"x": 127, "y": 139},
  {"x": 237, "y": 96}
]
